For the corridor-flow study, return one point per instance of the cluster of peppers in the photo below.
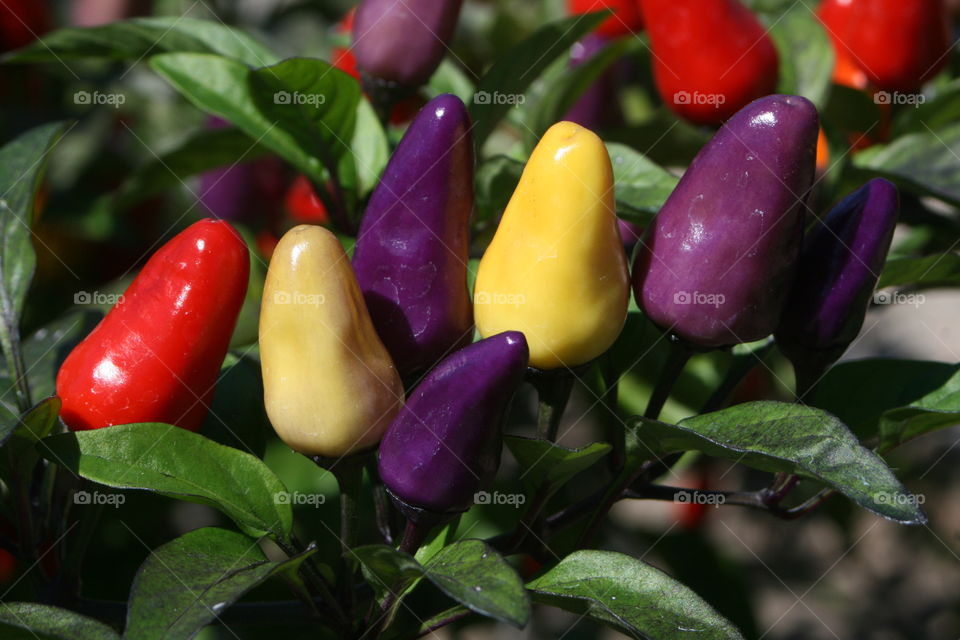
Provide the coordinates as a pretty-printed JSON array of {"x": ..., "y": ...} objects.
[{"x": 338, "y": 339}]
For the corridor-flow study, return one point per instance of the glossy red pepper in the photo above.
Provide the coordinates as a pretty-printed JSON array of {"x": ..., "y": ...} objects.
[
  {"x": 156, "y": 356},
  {"x": 626, "y": 18},
  {"x": 898, "y": 44},
  {"x": 710, "y": 57},
  {"x": 302, "y": 203}
]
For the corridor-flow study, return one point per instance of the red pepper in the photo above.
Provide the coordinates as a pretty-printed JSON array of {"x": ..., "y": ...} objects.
[
  {"x": 22, "y": 22},
  {"x": 156, "y": 356},
  {"x": 626, "y": 18},
  {"x": 303, "y": 204},
  {"x": 898, "y": 44},
  {"x": 710, "y": 58}
]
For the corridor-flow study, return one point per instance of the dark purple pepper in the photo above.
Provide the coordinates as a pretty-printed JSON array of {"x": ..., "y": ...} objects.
[
  {"x": 412, "y": 248},
  {"x": 403, "y": 41},
  {"x": 598, "y": 106},
  {"x": 838, "y": 268},
  {"x": 716, "y": 264},
  {"x": 445, "y": 443}
]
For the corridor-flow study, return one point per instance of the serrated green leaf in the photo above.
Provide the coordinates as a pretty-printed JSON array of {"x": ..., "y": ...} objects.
[
  {"x": 518, "y": 67},
  {"x": 151, "y": 456},
  {"x": 187, "y": 583},
  {"x": 631, "y": 596},
  {"x": 135, "y": 38},
  {"x": 31, "y": 621},
  {"x": 546, "y": 463},
  {"x": 894, "y": 400},
  {"x": 779, "y": 436}
]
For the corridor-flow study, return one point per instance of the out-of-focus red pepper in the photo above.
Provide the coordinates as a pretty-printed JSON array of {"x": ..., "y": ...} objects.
[
  {"x": 710, "y": 57},
  {"x": 22, "y": 22},
  {"x": 156, "y": 356},
  {"x": 626, "y": 19},
  {"x": 302, "y": 203}
]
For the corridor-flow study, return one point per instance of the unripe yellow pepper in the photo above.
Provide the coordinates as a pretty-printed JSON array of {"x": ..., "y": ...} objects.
[
  {"x": 556, "y": 268},
  {"x": 330, "y": 387}
]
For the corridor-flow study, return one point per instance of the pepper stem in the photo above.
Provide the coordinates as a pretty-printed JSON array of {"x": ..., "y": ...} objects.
[
  {"x": 553, "y": 389},
  {"x": 672, "y": 368}
]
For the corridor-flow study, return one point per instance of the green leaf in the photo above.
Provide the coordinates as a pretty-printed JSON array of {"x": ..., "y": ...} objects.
[
  {"x": 806, "y": 56},
  {"x": 22, "y": 164},
  {"x": 188, "y": 582},
  {"x": 208, "y": 149},
  {"x": 468, "y": 571},
  {"x": 780, "y": 436},
  {"x": 479, "y": 578},
  {"x": 631, "y": 596},
  {"x": 546, "y": 463},
  {"x": 133, "y": 39},
  {"x": 851, "y": 110},
  {"x": 496, "y": 180},
  {"x": 370, "y": 148},
  {"x": 151, "y": 456},
  {"x": 512, "y": 74},
  {"x": 21, "y": 441},
  {"x": 641, "y": 185},
  {"x": 30, "y": 621},
  {"x": 941, "y": 270},
  {"x": 439, "y": 538},
  {"x": 237, "y": 417},
  {"x": 450, "y": 78},
  {"x": 34, "y": 425},
  {"x": 563, "y": 93},
  {"x": 940, "y": 110},
  {"x": 221, "y": 86},
  {"x": 897, "y": 400},
  {"x": 927, "y": 163}
]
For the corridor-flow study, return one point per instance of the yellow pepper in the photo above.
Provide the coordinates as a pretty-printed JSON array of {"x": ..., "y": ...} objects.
[
  {"x": 330, "y": 387},
  {"x": 556, "y": 268}
]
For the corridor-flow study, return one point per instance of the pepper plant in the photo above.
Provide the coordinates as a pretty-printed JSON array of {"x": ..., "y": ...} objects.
[{"x": 372, "y": 329}]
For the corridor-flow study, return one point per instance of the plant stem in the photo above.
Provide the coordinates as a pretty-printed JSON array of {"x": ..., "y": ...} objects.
[
  {"x": 381, "y": 503},
  {"x": 677, "y": 358},
  {"x": 316, "y": 580},
  {"x": 553, "y": 389},
  {"x": 529, "y": 521},
  {"x": 739, "y": 369},
  {"x": 616, "y": 433}
]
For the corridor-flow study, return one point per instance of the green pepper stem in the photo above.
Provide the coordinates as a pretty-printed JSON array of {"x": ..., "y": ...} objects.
[
  {"x": 672, "y": 368},
  {"x": 553, "y": 389}
]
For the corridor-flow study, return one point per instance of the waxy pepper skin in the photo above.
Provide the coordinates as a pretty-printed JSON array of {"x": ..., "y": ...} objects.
[
  {"x": 412, "y": 249},
  {"x": 838, "y": 268},
  {"x": 710, "y": 57},
  {"x": 556, "y": 269},
  {"x": 626, "y": 18},
  {"x": 156, "y": 356},
  {"x": 717, "y": 262},
  {"x": 403, "y": 41},
  {"x": 330, "y": 387},
  {"x": 445, "y": 444}
]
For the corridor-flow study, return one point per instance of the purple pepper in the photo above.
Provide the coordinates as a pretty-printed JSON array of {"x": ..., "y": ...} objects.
[
  {"x": 599, "y": 105},
  {"x": 716, "y": 264},
  {"x": 838, "y": 268},
  {"x": 403, "y": 41},
  {"x": 445, "y": 443},
  {"x": 412, "y": 249}
]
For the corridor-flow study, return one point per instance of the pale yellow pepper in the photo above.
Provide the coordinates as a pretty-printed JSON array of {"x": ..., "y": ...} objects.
[
  {"x": 330, "y": 387},
  {"x": 556, "y": 268}
]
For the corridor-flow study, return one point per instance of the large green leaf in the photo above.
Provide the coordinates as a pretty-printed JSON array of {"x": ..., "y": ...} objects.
[
  {"x": 641, "y": 185},
  {"x": 544, "y": 463},
  {"x": 22, "y": 164},
  {"x": 136, "y": 38},
  {"x": 895, "y": 400},
  {"x": 222, "y": 86},
  {"x": 927, "y": 271},
  {"x": 468, "y": 571},
  {"x": 937, "y": 111},
  {"x": 806, "y": 56},
  {"x": 779, "y": 436},
  {"x": 175, "y": 462},
  {"x": 927, "y": 163},
  {"x": 631, "y": 596},
  {"x": 517, "y": 68},
  {"x": 31, "y": 621},
  {"x": 187, "y": 583}
]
